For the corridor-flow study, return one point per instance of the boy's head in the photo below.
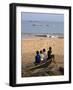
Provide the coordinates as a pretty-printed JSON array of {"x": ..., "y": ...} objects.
[
  {"x": 41, "y": 52},
  {"x": 37, "y": 52},
  {"x": 50, "y": 48},
  {"x": 44, "y": 50}
]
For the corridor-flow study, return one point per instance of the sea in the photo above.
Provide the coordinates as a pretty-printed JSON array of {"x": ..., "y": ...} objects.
[{"x": 42, "y": 29}]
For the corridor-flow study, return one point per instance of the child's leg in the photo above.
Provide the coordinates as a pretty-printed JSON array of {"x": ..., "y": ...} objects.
[{"x": 53, "y": 58}]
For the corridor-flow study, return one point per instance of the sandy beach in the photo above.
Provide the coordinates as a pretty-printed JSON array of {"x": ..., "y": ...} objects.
[{"x": 31, "y": 45}]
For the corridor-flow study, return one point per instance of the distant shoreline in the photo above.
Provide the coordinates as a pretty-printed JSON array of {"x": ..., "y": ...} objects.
[
  {"x": 41, "y": 38},
  {"x": 26, "y": 36}
]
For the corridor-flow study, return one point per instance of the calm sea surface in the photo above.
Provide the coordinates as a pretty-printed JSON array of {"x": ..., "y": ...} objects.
[{"x": 33, "y": 28}]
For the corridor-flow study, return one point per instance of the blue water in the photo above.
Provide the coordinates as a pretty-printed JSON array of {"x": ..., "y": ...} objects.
[{"x": 42, "y": 27}]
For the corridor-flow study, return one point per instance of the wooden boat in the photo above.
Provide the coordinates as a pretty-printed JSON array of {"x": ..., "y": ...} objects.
[{"x": 41, "y": 65}]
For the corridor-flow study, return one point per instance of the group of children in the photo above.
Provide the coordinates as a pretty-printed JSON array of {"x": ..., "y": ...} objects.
[{"x": 42, "y": 56}]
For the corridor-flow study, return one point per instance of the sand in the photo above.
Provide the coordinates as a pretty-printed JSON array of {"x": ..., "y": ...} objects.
[{"x": 31, "y": 45}]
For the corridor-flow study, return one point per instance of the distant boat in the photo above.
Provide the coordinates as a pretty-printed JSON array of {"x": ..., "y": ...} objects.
[
  {"x": 40, "y": 35},
  {"x": 33, "y": 24},
  {"x": 48, "y": 36},
  {"x": 36, "y": 25},
  {"x": 54, "y": 37}
]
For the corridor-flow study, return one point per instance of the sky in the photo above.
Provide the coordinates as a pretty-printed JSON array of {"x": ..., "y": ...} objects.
[
  {"x": 28, "y": 16},
  {"x": 42, "y": 22}
]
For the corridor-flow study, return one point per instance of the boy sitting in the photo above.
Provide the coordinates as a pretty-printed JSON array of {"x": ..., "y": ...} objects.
[{"x": 37, "y": 57}]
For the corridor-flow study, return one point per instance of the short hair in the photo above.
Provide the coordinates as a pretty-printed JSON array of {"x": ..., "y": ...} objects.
[
  {"x": 44, "y": 50},
  {"x": 41, "y": 51},
  {"x": 50, "y": 48},
  {"x": 37, "y": 52}
]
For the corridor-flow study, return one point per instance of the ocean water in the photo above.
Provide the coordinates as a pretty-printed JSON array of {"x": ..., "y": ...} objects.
[{"x": 33, "y": 28}]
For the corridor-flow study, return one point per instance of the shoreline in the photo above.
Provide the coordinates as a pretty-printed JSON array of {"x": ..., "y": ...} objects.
[{"x": 33, "y": 38}]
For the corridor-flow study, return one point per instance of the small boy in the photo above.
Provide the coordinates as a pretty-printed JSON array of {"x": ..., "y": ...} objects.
[
  {"x": 37, "y": 57},
  {"x": 45, "y": 54},
  {"x": 41, "y": 55},
  {"x": 50, "y": 55}
]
